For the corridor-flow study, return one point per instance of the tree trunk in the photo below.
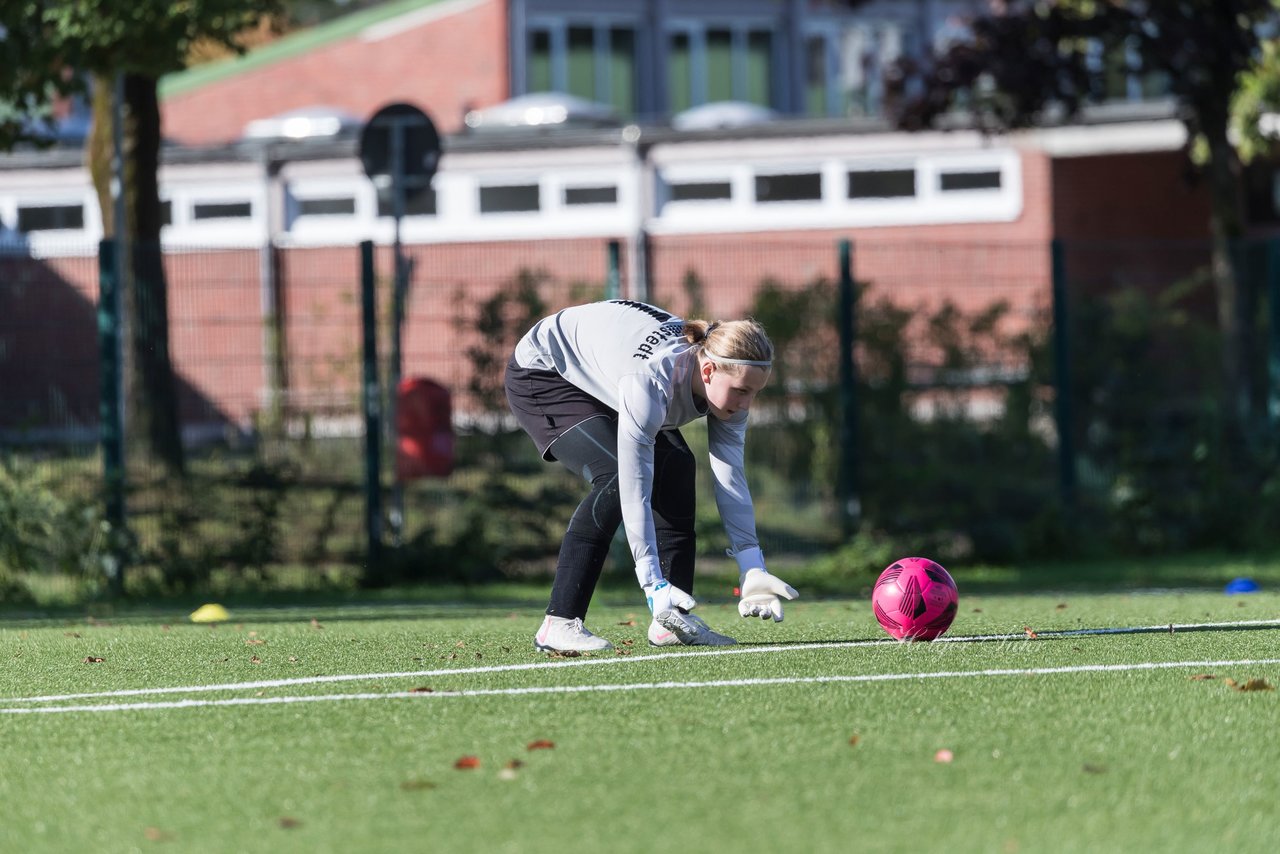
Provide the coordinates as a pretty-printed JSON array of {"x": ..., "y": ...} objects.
[
  {"x": 153, "y": 401},
  {"x": 1235, "y": 317}
]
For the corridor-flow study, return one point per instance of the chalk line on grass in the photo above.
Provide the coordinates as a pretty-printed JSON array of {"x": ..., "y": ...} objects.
[
  {"x": 584, "y": 662},
  {"x": 640, "y": 686}
]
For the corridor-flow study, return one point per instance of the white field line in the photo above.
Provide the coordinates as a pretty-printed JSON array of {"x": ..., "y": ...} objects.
[
  {"x": 587, "y": 662},
  {"x": 640, "y": 686}
]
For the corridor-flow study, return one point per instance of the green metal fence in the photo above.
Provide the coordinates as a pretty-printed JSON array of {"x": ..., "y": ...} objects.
[{"x": 980, "y": 400}]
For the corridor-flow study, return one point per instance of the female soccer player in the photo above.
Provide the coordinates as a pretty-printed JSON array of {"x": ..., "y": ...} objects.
[{"x": 603, "y": 388}]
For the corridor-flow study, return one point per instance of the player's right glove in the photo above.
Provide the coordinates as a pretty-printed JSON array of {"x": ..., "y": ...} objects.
[
  {"x": 663, "y": 597},
  {"x": 762, "y": 595}
]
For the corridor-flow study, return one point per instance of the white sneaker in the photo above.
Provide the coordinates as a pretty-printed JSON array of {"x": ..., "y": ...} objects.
[
  {"x": 658, "y": 636},
  {"x": 687, "y": 630},
  {"x": 562, "y": 634}
]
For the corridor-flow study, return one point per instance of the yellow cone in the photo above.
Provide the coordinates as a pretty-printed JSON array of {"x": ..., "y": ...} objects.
[{"x": 211, "y": 613}]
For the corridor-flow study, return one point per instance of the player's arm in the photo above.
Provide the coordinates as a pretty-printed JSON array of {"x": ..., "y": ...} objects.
[
  {"x": 761, "y": 593},
  {"x": 642, "y": 407}
]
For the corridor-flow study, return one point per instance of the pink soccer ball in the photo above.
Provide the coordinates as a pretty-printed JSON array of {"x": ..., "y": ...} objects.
[{"x": 915, "y": 599}]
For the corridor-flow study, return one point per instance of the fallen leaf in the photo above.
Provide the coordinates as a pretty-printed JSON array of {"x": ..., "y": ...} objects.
[
  {"x": 514, "y": 763},
  {"x": 460, "y": 644},
  {"x": 1032, "y": 635},
  {"x": 944, "y": 756},
  {"x": 465, "y": 763},
  {"x": 628, "y": 642},
  {"x": 423, "y": 689},
  {"x": 288, "y": 822},
  {"x": 255, "y": 660},
  {"x": 567, "y": 653},
  {"x": 1091, "y": 768},
  {"x": 541, "y": 744},
  {"x": 854, "y": 739},
  {"x": 71, "y": 634},
  {"x": 627, "y": 623},
  {"x": 977, "y": 610},
  {"x": 1252, "y": 685},
  {"x": 417, "y": 785},
  {"x": 1061, "y": 606},
  {"x": 93, "y": 659},
  {"x": 155, "y": 834},
  {"x": 315, "y": 624},
  {"x": 254, "y": 641},
  {"x": 293, "y": 659},
  {"x": 1201, "y": 677},
  {"x": 622, "y": 652}
]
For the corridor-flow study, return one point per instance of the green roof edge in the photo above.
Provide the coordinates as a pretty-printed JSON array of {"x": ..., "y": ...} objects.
[{"x": 292, "y": 45}]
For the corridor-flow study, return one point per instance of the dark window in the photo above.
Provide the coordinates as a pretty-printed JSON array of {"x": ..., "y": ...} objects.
[
  {"x": 326, "y": 207},
  {"x": 512, "y": 199},
  {"x": 985, "y": 180},
  {"x": 700, "y": 192},
  {"x": 789, "y": 188},
  {"x": 540, "y": 61},
  {"x": 50, "y": 217},
  {"x": 882, "y": 184},
  {"x": 222, "y": 210},
  {"x": 590, "y": 195},
  {"x": 423, "y": 204},
  {"x": 166, "y": 212}
]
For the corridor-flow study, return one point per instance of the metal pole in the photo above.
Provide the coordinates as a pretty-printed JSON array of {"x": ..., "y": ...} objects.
[
  {"x": 1273, "y": 337},
  {"x": 1062, "y": 378},
  {"x": 372, "y": 399},
  {"x": 847, "y": 484},
  {"x": 613, "y": 274},
  {"x": 398, "y": 131},
  {"x": 109, "y": 408}
]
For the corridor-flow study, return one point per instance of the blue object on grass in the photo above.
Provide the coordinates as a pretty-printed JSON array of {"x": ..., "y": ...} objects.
[{"x": 1242, "y": 585}]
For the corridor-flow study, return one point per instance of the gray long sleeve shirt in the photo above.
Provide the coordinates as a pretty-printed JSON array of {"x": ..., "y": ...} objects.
[{"x": 634, "y": 358}]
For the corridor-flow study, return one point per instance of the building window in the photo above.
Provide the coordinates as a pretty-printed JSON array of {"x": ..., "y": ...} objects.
[
  {"x": 420, "y": 204},
  {"x": 222, "y": 210},
  {"x": 882, "y": 184},
  {"x": 50, "y": 217},
  {"x": 701, "y": 191},
  {"x": 166, "y": 212},
  {"x": 806, "y": 187},
  {"x": 520, "y": 198},
  {"x": 984, "y": 180},
  {"x": 593, "y": 61},
  {"x": 719, "y": 64},
  {"x": 342, "y": 206},
  {"x": 591, "y": 195}
]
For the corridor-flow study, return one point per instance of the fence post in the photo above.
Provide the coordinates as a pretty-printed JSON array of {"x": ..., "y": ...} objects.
[
  {"x": 613, "y": 275},
  {"x": 847, "y": 486},
  {"x": 1062, "y": 378},
  {"x": 110, "y": 410},
  {"x": 372, "y": 401},
  {"x": 1273, "y": 338}
]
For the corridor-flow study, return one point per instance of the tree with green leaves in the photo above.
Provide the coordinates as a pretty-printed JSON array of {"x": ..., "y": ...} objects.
[
  {"x": 52, "y": 49},
  {"x": 1026, "y": 59}
]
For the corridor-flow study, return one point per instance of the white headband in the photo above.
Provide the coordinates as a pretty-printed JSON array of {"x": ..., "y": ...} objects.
[{"x": 752, "y": 362}]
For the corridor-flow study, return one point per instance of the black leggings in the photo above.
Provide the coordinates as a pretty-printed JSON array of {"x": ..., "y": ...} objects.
[{"x": 590, "y": 449}]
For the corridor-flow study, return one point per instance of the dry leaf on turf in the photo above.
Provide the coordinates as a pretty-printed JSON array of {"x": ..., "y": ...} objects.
[
  {"x": 1031, "y": 634},
  {"x": 467, "y": 762},
  {"x": 541, "y": 744},
  {"x": 1202, "y": 677},
  {"x": 1090, "y": 768},
  {"x": 155, "y": 834},
  {"x": 944, "y": 756},
  {"x": 254, "y": 641},
  {"x": 255, "y": 660},
  {"x": 627, "y": 623},
  {"x": 514, "y": 763},
  {"x": 854, "y": 739},
  {"x": 288, "y": 822},
  {"x": 1251, "y": 685},
  {"x": 315, "y": 624},
  {"x": 93, "y": 659},
  {"x": 421, "y": 689}
]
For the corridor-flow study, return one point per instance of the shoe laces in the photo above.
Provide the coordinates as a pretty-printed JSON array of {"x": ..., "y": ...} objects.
[{"x": 577, "y": 627}]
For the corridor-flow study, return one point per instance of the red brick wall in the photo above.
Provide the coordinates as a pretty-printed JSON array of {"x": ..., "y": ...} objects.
[
  {"x": 1145, "y": 196},
  {"x": 443, "y": 67}
]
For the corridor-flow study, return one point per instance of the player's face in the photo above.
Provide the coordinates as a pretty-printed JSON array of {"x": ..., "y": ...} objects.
[{"x": 731, "y": 390}]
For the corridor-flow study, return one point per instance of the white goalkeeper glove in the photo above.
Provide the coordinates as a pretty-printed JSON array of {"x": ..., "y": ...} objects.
[
  {"x": 762, "y": 595},
  {"x": 663, "y": 597}
]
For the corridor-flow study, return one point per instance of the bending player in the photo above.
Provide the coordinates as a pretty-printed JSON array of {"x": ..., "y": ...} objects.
[{"x": 604, "y": 388}]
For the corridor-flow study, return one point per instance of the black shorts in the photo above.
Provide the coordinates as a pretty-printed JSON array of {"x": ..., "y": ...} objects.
[{"x": 546, "y": 405}]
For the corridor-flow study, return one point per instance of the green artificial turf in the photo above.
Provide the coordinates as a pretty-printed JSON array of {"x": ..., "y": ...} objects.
[{"x": 1153, "y": 759}]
